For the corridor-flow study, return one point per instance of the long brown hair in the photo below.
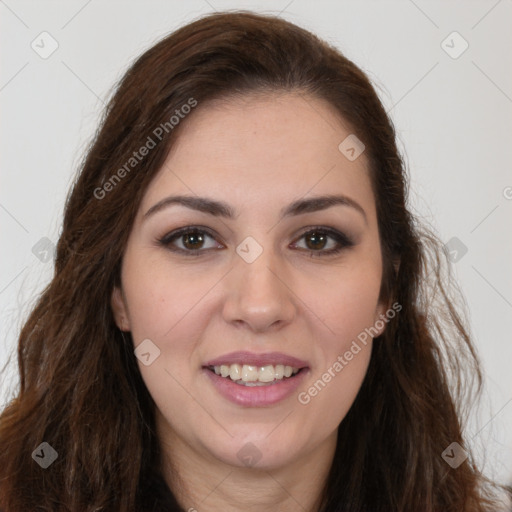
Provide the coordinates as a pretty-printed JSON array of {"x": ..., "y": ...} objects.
[{"x": 80, "y": 388}]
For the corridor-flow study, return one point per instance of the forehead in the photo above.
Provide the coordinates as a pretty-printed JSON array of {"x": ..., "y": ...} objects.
[{"x": 275, "y": 146}]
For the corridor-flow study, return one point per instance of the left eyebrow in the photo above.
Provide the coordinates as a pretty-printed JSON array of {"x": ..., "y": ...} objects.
[
  {"x": 222, "y": 209},
  {"x": 321, "y": 203}
]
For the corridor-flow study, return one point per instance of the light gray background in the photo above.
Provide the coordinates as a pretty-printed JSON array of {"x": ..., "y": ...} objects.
[{"x": 453, "y": 117}]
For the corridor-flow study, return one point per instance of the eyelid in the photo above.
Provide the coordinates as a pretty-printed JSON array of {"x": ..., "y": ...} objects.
[{"x": 325, "y": 229}]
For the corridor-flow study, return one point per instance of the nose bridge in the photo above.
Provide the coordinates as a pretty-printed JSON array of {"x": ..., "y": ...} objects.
[
  {"x": 259, "y": 276},
  {"x": 257, "y": 294}
]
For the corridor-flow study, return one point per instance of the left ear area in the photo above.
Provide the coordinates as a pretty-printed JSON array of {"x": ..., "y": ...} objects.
[
  {"x": 381, "y": 318},
  {"x": 385, "y": 310},
  {"x": 119, "y": 309}
]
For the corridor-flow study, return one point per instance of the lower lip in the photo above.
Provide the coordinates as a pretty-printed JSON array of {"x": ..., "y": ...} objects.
[{"x": 255, "y": 396}]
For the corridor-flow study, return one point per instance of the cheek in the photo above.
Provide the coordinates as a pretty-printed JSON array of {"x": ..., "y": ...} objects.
[
  {"x": 172, "y": 308},
  {"x": 330, "y": 393},
  {"x": 166, "y": 308},
  {"x": 343, "y": 345},
  {"x": 343, "y": 342},
  {"x": 163, "y": 299},
  {"x": 346, "y": 305}
]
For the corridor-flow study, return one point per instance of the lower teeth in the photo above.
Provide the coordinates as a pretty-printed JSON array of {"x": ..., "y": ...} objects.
[{"x": 253, "y": 384}]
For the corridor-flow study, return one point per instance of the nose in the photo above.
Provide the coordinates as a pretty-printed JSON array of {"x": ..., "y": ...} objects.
[{"x": 259, "y": 294}]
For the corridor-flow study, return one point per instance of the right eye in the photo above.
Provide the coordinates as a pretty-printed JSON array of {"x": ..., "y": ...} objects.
[{"x": 189, "y": 240}]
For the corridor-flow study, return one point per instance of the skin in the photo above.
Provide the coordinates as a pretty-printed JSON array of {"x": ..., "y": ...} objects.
[{"x": 258, "y": 154}]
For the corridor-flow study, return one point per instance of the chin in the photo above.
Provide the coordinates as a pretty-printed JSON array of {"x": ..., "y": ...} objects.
[{"x": 256, "y": 449}]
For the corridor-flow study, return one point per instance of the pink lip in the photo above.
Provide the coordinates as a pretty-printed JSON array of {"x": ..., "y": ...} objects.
[
  {"x": 253, "y": 359},
  {"x": 256, "y": 396}
]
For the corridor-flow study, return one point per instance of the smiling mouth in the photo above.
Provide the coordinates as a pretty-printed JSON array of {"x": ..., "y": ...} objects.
[{"x": 251, "y": 375}]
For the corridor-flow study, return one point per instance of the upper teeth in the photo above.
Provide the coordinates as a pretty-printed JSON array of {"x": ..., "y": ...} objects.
[{"x": 248, "y": 373}]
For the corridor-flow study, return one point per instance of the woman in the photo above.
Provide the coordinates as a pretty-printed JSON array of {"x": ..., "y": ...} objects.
[{"x": 240, "y": 315}]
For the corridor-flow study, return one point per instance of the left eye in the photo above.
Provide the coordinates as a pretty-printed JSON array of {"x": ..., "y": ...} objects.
[{"x": 325, "y": 241}]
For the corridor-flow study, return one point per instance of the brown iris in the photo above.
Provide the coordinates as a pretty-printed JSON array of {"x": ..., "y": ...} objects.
[
  {"x": 193, "y": 240},
  {"x": 316, "y": 241}
]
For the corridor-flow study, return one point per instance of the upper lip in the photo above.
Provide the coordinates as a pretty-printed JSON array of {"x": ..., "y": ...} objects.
[{"x": 250, "y": 358}]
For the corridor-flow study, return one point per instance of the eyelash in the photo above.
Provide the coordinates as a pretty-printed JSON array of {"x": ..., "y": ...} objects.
[{"x": 343, "y": 241}]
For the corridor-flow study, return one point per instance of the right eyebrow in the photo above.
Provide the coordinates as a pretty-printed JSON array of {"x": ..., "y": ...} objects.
[{"x": 202, "y": 204}]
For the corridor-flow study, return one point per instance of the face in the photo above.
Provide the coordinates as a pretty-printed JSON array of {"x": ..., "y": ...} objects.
[{"x": 251, "y": 267}]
